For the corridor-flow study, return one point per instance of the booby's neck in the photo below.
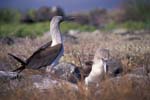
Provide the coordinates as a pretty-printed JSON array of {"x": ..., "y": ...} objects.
[
  {"x": 98, "y": 66},
  {"x": 55, "y": 33}
]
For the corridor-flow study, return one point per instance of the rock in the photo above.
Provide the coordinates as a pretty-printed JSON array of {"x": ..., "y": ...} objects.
[
  {"x": 140, "y": 32},
  {"x": 96, "y": 32},
  {"x": 120, "y": 31},
  {"x": 39, "y": 81},
  {"x": 7, "y": 40},
  {"x": 132, "y": 38},
  {"x": 70, "y": 39},
  {"x": 66, "y": 71},
  {"x": 114, "y": 67},
  {"x": 43, "y": 81},
  {"x": 73, "y": 32},
  {"x": 8, "y": 75}
]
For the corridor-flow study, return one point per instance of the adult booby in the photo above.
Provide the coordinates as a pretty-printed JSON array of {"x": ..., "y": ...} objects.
[{"x": 49, "y": 54}]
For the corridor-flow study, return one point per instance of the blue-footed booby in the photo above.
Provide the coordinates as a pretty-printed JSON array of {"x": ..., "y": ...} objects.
[{"x": 49, "y": 54}]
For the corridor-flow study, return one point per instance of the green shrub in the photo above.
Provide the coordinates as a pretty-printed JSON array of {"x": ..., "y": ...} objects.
[
  {"x": 110, "y": 26},
  {"x": 23, "y": 30},
  {"x": 70, "y": 25},
  {"x": 9, "y": 15},
  {"x": 130, "y": 25},
  {"x": 133, "y": 25},
  {"x": 37, "y": 29},
  {"x": 137, "y": 10},
  {"x": 147, "y": 24}
]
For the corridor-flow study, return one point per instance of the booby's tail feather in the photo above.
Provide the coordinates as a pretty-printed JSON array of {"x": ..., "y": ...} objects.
[
  {"x": 23, "y": 63},
  {"x": 17, "y": 58}
]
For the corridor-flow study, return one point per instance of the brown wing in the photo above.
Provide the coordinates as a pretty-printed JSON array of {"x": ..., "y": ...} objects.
[
  {"x": 39, "y": 50},
  {"x": 43, "y": 57}
]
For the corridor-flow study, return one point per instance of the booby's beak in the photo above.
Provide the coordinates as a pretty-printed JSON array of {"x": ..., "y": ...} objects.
[{"x": 68, "y": 18}]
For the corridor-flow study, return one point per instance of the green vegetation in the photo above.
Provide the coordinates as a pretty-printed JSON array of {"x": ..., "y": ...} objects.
[
  {"x": 9, "y": 15},
  {"x": 22, "y": 30},
  {"x": 137, "y": 10},
  {"x": 110, "y": 26},
  {"x": 133, "y": 15},
  {"x": 130, "y": 25},
  {"x": 69, "y": 25},
  {"x": 34, "y": 23},
  {"x": 37, "y": 29}
]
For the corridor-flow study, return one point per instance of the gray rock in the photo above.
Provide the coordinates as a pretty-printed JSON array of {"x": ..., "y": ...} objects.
[
  {"x": 70, "y": 39},
  {"x": 66, "y": 71},
  {"x": 73, "y": 32},
  {"x": 8, "y": 75},
  {"x": 114, "y": 67},
  {"x": 30, "y": 82},
  {"x": 7, "y": 40},
  {"x": 120, "y": 31},
  {"x": 43, "y": 81}
]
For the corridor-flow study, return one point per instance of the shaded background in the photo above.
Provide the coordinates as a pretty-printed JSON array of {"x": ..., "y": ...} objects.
[
  {"x": 105, "y": 15},
  {"x": 69, "y": 6}
]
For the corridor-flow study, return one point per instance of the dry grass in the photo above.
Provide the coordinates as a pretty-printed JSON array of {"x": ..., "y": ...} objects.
[{"x": 132, "y": 50}]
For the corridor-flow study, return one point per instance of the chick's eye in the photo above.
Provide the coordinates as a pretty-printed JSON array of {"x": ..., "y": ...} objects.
[{"x": 103, "y": 59}]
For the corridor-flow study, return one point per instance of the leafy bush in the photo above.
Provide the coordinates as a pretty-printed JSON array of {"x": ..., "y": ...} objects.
[
  {"x": 37, "y": 29},
  {"x": 147, "y": 24},
  {"x": 133, "y": 25},
  {"x": 9, "y": 15},
  {"x": 130, "y": 25},
  {"x": 69, "y": 25},
  {"x": 42, "y": 14},
  {"x": 110, "y": 26},
  {"x": 98, "y": 16},
  {"x": 137, "y": 10},
  {"x": 23, "y": 30}
]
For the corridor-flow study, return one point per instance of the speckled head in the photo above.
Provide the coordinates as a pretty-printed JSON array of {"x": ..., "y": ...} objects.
[{"x": 102, "y": 54}]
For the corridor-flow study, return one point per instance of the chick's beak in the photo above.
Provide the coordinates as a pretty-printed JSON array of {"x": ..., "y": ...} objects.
[{"x": 105, "y": 67}]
